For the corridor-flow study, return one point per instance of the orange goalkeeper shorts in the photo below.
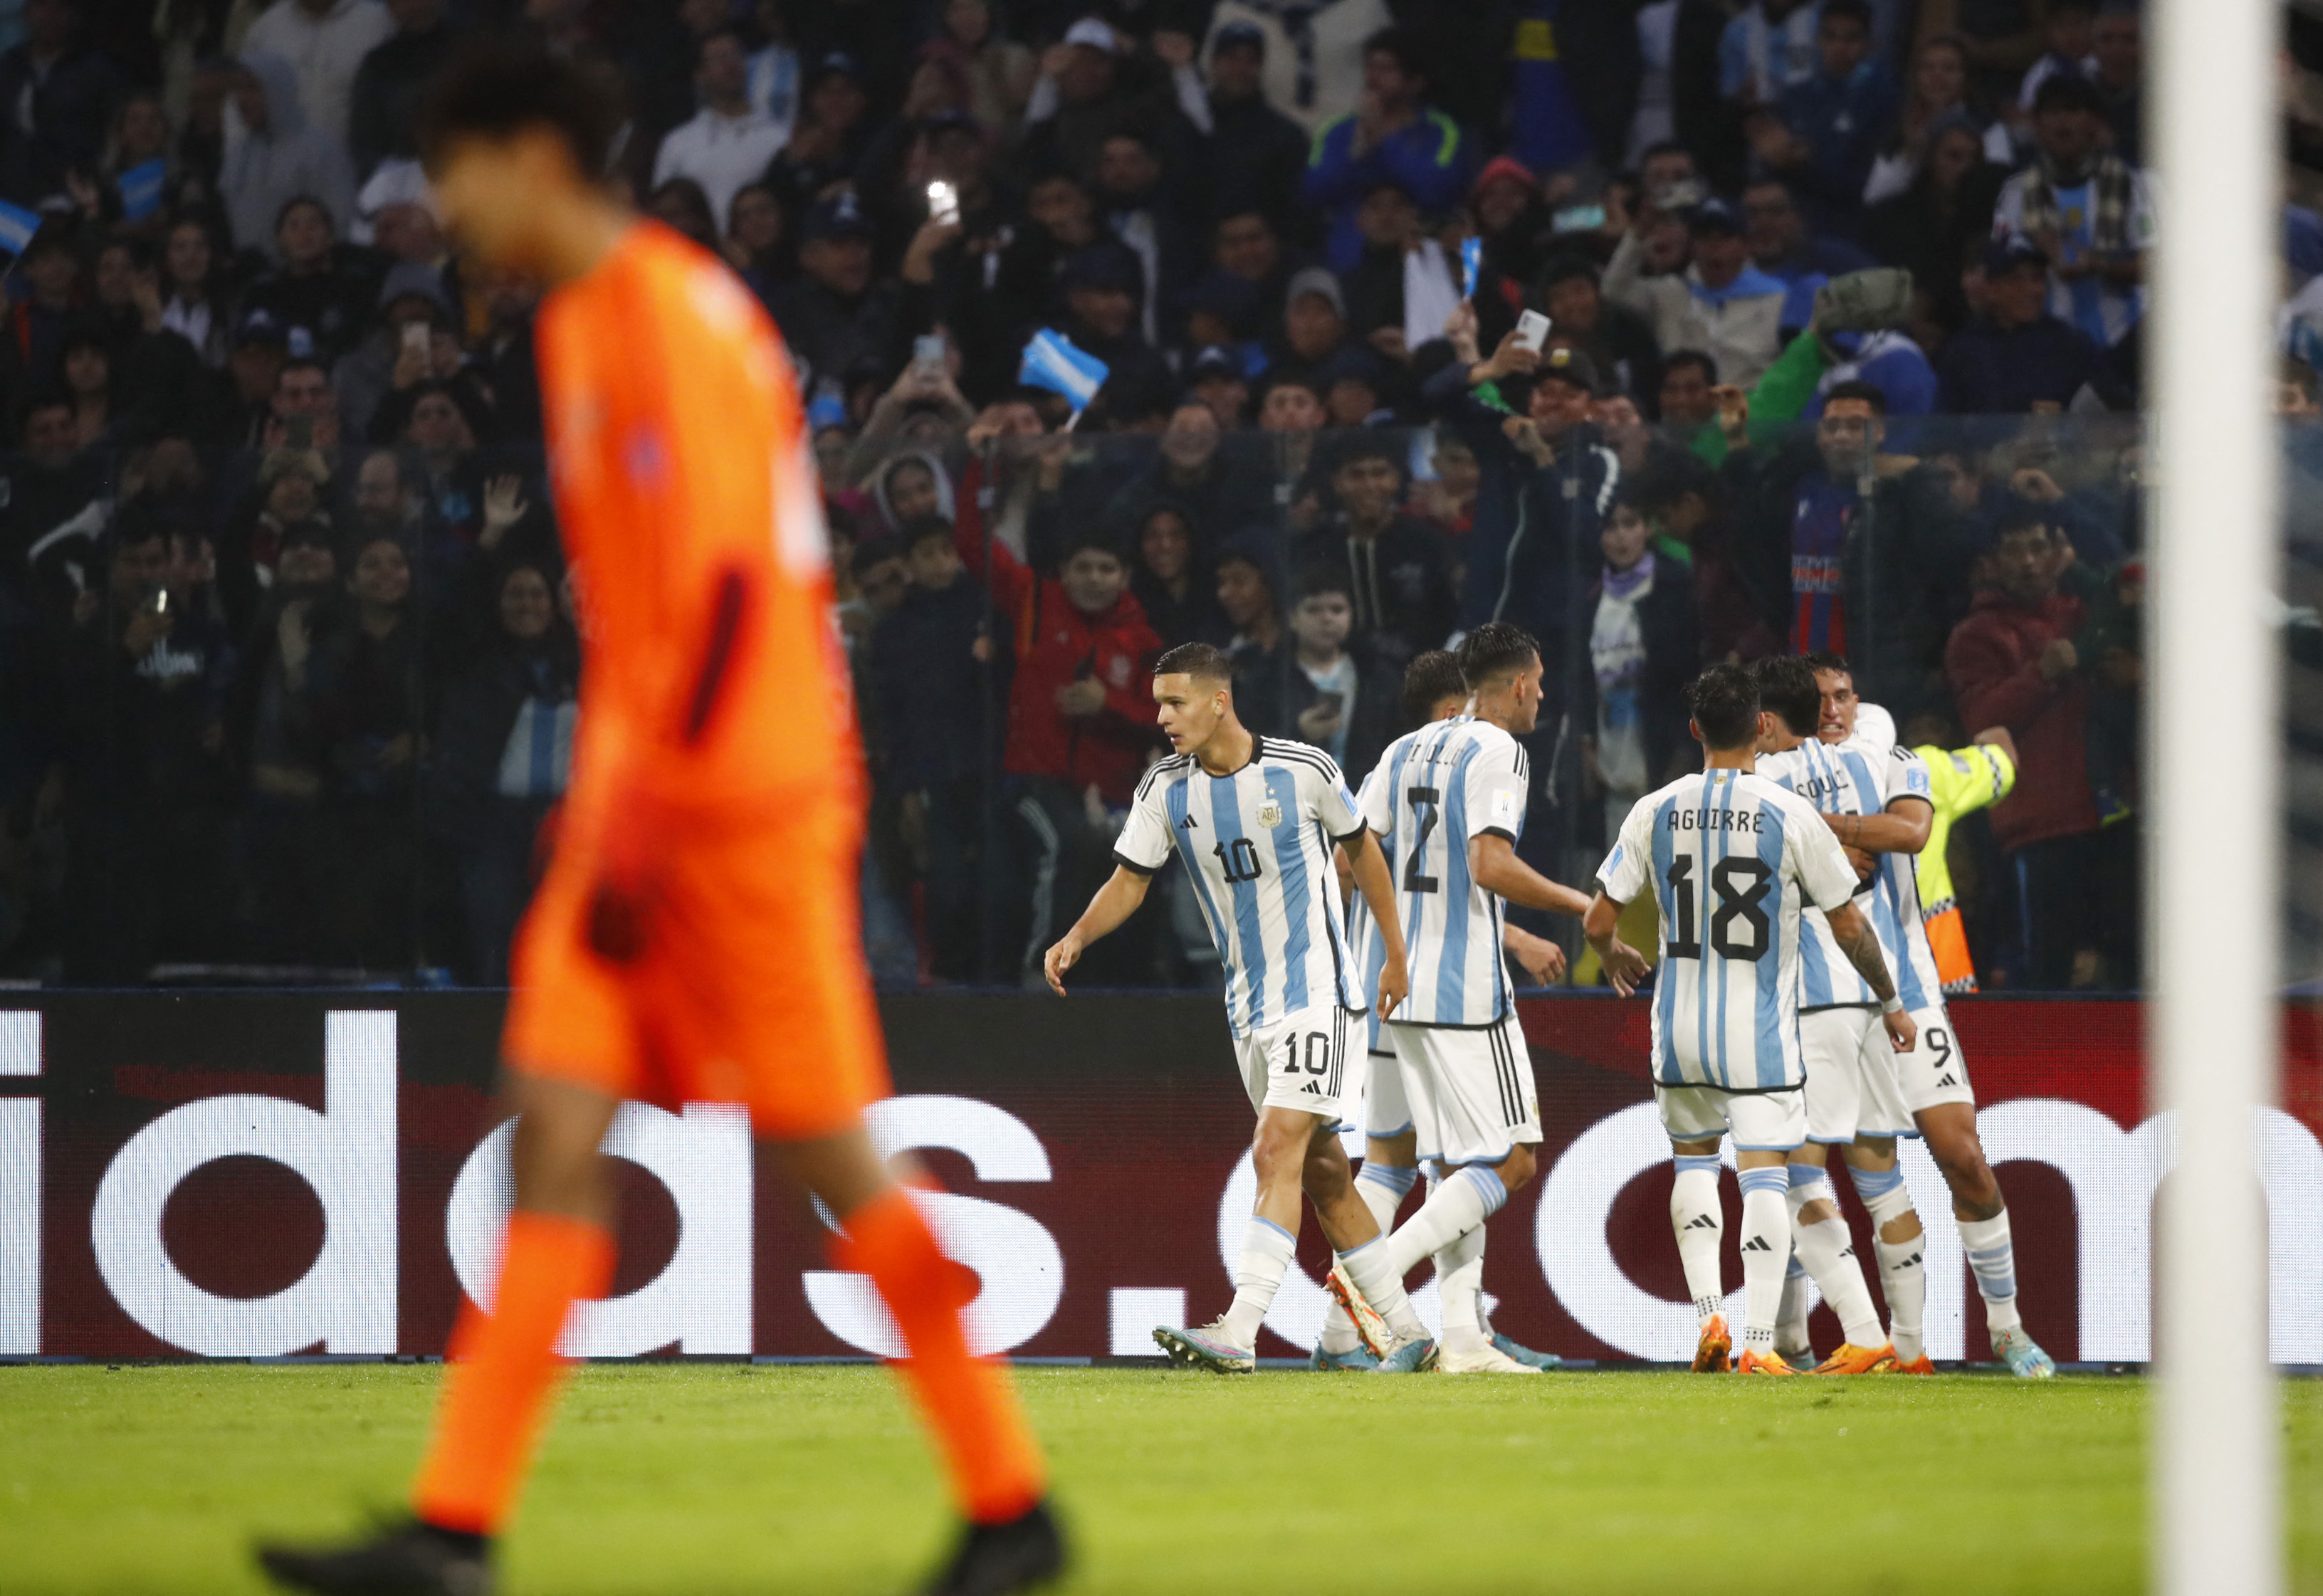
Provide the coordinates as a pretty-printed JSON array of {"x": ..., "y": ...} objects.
[{"x": 751, "y": 989}]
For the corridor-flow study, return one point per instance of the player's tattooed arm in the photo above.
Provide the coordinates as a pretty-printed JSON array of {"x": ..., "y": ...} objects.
[
  {"x": 1851, "y": 927},
  {"x": 1903, "y": 828},
  {"x": 1625, "y": 967},
  {"x": 1115, "y": 902},
  {"x": 1369, "y": 865}
]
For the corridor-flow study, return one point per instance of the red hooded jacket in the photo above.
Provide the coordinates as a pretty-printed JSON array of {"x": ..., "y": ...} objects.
[
  {"x": 1993, "y": 661},
  {"x": 1056, "y": 645}
]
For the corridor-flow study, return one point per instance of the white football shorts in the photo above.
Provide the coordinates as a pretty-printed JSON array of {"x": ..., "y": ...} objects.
[
  {"x": 1469, "y": 1091},
  {"x": 1386, "y": 1111},
  {"x": 1303, "y": 1062},
  {"x": 1759, "y": 1121},
  {"x": 1935, "y": 1070},
  {"x": 1851, "y": 1086}
]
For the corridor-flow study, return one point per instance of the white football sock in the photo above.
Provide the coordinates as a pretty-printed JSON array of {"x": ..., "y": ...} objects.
[
  {"x": 1993, "y": 1256},
  {"x": 1903, "y": 1274},
  {"x": 1765, "y": 1253},
  {"x": 1700, "y": 1222},
  {"x": 1828, "y": 1251},
  {"x": 1461, "y": 1202},
  {"x": 1376, "y": 1278},
  {"x": 1383, "y": 1188},
  {"x": 1267, "y": 1252},
  {"x": 1791, "y": 1334},
  {"x": 1460, "y": 1283}
]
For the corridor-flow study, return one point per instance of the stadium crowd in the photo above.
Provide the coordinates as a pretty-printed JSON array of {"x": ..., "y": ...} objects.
[{"x": 288, "y": 655}]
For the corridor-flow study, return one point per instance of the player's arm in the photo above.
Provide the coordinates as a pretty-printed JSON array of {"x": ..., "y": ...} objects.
[
  {"x": 1903, "y": 828},
  {"x": 1539, "y": 957},
  {"x": 1492, "y": 861},
  {"x": 1851, "y": 927},
  {"x": 629, "y": 826},
  {"x": 1115, "y": 902},
  {"x": 1625, "y": 967},
  {"x": 1369, "y": 866}
]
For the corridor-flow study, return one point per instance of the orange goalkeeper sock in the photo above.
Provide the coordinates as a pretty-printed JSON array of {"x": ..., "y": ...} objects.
[
  {"x": 505, "y": 1369},
  {"x": 996, "y": 1464}
]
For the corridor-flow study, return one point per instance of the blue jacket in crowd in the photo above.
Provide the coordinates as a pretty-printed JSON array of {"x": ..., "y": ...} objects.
[{"x": 1431, "y": 161}]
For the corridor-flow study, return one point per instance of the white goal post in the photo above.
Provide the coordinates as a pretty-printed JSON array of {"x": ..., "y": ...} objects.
[{"x": 2214, "y": 734}]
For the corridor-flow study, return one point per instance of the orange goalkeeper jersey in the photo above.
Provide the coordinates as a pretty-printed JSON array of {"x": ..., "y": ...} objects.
[{"x": 679, "y": 457}]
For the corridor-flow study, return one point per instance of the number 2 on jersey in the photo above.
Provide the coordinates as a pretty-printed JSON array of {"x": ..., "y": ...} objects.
[
  {"x": 1427, "y": 808},
  {"x": 1742, "y": 885}
]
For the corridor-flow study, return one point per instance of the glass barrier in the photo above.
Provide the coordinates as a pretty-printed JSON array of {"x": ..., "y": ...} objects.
[{"x": 296, "y": 714}]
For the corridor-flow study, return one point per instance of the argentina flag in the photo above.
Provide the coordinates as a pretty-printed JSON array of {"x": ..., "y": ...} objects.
[
  {"x": 1051, "y": 362},
  {"x": 141, "y": 189},
  {"x": 17, "y": 226}
]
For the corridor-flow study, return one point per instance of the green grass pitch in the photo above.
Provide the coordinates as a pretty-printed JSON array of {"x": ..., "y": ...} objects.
[{"x": 724, "y": 1478}]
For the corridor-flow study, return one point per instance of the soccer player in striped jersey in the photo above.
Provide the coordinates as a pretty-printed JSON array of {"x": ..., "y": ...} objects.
[
  {"x": 1437, "y": 692},
  {"x": 1932, "y": 1076},
  {"x": 1851, "y": 1090},
  {"x": 1737, "y": 865},
  {"x": 1254, "y": 819}
]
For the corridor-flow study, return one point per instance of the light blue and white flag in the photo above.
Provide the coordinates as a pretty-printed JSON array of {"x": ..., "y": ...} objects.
[
  {"x": 1472, "y": 261},
  {"x": 1051, "y": 362},
  {"x": 141, "y": 189},
  {"x": 17, "y": 226}
]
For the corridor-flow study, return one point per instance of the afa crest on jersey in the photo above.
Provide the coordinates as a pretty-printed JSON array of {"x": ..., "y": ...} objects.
[{"x": 1269, "y": 814}]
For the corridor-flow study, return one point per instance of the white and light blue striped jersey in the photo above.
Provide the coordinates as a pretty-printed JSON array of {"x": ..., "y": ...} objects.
[
  {"x": 1833, "y": 781},
  {"x": 1896, "y": 912},
  {"x": 1432, "y": 794},
  {"x": 1258, "y": 847},
  {"x": 1736, "y": 864}
]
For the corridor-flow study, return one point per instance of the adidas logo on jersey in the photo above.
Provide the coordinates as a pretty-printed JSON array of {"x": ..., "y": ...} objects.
[
  {"x": 1313, "y": 1089},
  {"x": 1703, "y": 1222},
  {"x": 1757, "y": 1245},
  {"x": 1947, "y": 1081},
  {"x": 1188, "y": 824}
]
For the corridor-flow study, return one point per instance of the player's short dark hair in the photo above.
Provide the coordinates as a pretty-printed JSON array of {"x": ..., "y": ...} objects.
[
  {"x": 1787, "y": 690},
  {"x": 1853, "y": 389},
  {"x": 1724, "y": 701},
  {"x": 920, "y": 530},
  {"x": 1196, "y": 659},
  {"x": 1428, "y": 680},
  {"x": 497, "y": 89},
  {"x": 1494, "y": 650},
  {"x": 1821, "y": 660}
]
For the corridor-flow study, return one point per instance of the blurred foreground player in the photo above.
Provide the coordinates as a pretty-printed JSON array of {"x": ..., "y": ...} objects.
[{"x": 713, "y": 821}]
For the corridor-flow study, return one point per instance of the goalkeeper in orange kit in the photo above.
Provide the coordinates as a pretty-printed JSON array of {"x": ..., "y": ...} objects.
[{"x": 694, "y": 937}]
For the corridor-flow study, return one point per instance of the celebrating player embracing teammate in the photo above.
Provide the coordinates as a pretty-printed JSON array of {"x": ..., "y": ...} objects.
[{"x": 1736, "y": 864}]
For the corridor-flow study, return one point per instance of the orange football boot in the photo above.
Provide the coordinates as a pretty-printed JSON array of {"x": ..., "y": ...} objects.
[
  {"x": 1752, "y": 1362},
  {"x": 1922, "y": 1364},
  {"x": 1712, "y": 1353},
  {"x": 1850, "y": 1359}
]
